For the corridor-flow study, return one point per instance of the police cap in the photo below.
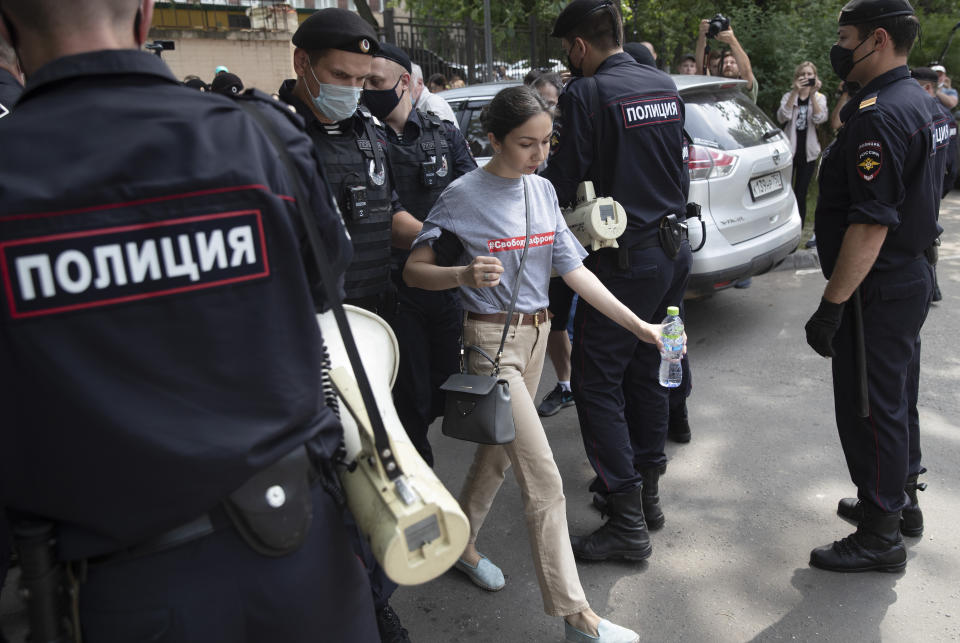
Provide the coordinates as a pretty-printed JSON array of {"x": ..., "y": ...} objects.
[
  {"x": 640, "y": 53},
  {"x": 227, "y": 84},
  {"x": 924, "y": 74},
  {"x": 394, "y": 53},
  {"x": 336, "y": 29},
  {"x": 857, "y": 12},
  {"x": 575, "y": 12}
]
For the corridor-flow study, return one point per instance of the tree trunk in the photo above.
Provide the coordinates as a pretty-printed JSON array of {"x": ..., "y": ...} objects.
[{"x": 363, "y": 9}]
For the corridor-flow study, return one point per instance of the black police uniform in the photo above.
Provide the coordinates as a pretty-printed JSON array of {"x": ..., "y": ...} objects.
[
  {"x": 10, "y": 90},
  {"x": 158, "y": 331},
  {"x": 427, "y": 323},
  {"x": 357, "y": 169},
  {"x": 946, "y": 139},
  {"x": 883, "y": 169},
  {"x": 623, "y": 129}
]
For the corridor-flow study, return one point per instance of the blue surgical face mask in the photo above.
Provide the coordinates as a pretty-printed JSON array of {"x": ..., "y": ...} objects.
[{"x": 336, "y": 102}]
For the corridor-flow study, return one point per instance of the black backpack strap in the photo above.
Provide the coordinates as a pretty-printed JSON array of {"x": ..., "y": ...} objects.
[{"x": 596, "y": 172}]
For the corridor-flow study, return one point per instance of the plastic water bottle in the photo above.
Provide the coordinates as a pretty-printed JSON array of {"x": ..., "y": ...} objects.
[{"x": 670, "y": 372}]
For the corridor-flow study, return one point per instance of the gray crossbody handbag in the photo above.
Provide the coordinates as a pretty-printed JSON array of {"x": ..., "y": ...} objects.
[{"x": 477, "y": 407}]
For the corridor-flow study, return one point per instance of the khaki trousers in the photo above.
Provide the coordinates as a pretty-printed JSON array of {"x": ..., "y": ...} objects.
[{"x": 545, "y": 506}]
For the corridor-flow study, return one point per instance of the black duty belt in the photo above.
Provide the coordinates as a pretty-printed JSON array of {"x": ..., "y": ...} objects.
[{"x": 187, "y": 532}]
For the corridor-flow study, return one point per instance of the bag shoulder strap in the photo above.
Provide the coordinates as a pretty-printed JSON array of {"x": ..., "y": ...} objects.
[
  {"x": 516, "y": 285},
  {"x": 381, "y": 440}
]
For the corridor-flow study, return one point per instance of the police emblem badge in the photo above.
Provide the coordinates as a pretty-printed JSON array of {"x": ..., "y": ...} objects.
[
  {"x": 378, "y": 178},
  {"x": 869, "y": 160},
  {"x": 444, "y": 168}
]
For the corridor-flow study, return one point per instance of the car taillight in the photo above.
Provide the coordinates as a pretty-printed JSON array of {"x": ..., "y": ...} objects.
[{"x": 708, "y": 163}]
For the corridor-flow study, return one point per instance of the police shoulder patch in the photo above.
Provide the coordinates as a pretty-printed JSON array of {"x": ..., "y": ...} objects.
[
  {"x": 868, "y": 102},
  {"x": 554, "y": 141},
  {"x": 869, "y": 159}
]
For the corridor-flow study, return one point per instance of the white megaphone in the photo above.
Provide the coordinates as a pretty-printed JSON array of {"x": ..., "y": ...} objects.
[
  {"x": 595, "y": 222},
  {"x": 416, "y": 529}
]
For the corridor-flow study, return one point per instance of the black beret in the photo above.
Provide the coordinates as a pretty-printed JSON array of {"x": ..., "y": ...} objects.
[
  {"x": 856, "y": 12},
  {"x": 575, "y": 12},
  {"x": 336, "y": 29},
  {"x": 394, "y": 53},
  {"x": 925, "y": 74},
  {"x": 640, "y": 53},
  {"x": 196, "y": 83},
  {"x": 227, "y": 84}
]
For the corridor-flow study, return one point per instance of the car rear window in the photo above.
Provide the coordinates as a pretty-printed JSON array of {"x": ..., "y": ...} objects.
[
  {"x": 471, "y": 128},
  {"x": 726, "y": 119}
]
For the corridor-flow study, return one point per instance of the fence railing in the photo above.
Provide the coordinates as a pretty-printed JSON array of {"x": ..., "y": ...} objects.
[{"x": 457, "y": 48}]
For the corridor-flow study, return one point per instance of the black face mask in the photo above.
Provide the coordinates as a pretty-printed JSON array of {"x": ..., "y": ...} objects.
[
  {"x": 381, "y": 102},
  {"x": 841, "y": 59}
]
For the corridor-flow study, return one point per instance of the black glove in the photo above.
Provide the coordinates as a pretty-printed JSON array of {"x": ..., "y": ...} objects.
[{"x": 823, "y": 326}]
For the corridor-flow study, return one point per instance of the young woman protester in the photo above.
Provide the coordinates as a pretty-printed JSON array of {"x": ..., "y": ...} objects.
[
  {"x": 801, "y": 110},
  {"x": 481, "y": 216}
]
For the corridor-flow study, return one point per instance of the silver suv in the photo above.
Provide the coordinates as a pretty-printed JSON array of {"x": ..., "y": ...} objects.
[{"x": 740, "y": 173}]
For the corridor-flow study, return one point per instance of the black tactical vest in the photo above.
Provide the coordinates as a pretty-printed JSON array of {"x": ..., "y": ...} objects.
[
  {"x": 420, "y": 172},
  {"x": 356, "y": 170}
]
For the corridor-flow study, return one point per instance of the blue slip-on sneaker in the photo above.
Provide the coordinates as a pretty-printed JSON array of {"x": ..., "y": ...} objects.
[
  {"x": 558, "y": 398},
  {"x": 608, "y": 633},
  {"x": 485, "y": 574}
]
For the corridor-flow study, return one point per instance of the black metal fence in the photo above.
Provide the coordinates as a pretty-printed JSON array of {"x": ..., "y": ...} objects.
[{"x": 458, "y": 48}]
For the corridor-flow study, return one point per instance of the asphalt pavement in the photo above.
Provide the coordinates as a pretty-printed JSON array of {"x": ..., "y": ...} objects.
[{"x": 745, "y": 501}]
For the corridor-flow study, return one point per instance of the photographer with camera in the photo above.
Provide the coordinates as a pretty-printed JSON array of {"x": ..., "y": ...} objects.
[
  {"x": 801, "y": 110},
  {"x": 734, "y": 62}
]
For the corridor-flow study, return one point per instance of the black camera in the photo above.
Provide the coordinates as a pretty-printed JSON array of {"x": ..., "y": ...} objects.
[
  {"x": 810, "y": 82},
  {"x": 718, "y": 23},
  {"x": 160, "y": 46}
]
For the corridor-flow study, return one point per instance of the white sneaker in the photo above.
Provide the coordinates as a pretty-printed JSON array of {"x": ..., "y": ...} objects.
[{"x": 607, "y": 633}]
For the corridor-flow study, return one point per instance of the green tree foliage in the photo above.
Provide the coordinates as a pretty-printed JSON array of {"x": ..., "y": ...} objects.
[{"x": 777, "y": 34}]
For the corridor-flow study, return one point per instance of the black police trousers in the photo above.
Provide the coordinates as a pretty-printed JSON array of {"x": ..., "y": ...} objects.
[
  {"x": 622, "y": 408},
  {"x": 428, "y": 326},
  {"x": 884, "y": 448},
  {"x": 218, "y": 590}
]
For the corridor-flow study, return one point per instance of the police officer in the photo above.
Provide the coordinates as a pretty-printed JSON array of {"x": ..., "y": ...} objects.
[
  {"x": 332, "y": 59},
  {"x": 10, "y": 90},
  {"x": 426, "y": 155},
  {"x": 621, "y": 125},
  {"x": 158, "y": 328},
  {"x": 334, "y": 50},
  {"x": 678, "y": 424},
  {"x": 945, "y": 133},
  {"x": 876, "y": 215}
]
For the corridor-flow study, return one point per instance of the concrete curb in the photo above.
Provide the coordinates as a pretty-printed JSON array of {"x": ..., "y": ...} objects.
[{"x": 800, "y": 260}]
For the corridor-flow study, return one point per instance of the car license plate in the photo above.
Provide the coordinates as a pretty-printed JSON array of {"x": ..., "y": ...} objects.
[{"x": 766, "y": 184}]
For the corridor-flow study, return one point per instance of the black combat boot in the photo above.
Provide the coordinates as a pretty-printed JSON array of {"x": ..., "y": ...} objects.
[
  {"x": 911, "y": 519},
  {"x": 678, "y": 427},
  {"x": 389, "y": 626},
  {"x": 875, "y": 546},
  {"x": 652, "y": 512},
  {"x": 651, "y": 497},
  {"x": 624, "y": 535}
]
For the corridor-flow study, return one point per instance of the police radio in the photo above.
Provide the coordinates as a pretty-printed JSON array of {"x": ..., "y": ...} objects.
[{"x": 596, "y": 222}]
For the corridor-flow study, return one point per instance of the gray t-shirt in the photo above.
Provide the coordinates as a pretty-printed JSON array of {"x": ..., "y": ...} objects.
[{"x": 486, "y": 213}]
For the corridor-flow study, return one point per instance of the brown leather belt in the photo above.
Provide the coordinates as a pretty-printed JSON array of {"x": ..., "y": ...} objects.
[{"x": 525, "y": 319}]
